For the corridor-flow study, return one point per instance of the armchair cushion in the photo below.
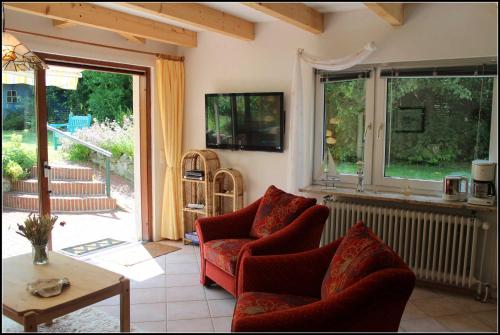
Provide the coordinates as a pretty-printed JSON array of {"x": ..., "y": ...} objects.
[
  {"x": 251, "y": 303},
  {"x": 277, "y": 209},
  {"x": 224, "y": 253},
  {"x": 360, "y": 253}
]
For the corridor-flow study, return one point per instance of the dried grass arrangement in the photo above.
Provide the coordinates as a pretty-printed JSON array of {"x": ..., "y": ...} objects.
[{"x": 37, "y": 228}]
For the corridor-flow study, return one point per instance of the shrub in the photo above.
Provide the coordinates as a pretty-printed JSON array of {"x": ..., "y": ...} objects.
[
  {"x": 17, "y": 161},
  {"x": 78, "y": 153},
  {"x": 109, "y": 135},
  {"x": 14, "y": 171},
  {"x": 14, "y": 121}
]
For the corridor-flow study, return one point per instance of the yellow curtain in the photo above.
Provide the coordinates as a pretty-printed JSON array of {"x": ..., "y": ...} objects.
[{"x": 170, "y": 88}]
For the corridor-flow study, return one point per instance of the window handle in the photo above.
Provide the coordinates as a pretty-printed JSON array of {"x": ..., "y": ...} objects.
[
  {"x": 380, "y": 127},
  {"x": 366, "y": 130}
]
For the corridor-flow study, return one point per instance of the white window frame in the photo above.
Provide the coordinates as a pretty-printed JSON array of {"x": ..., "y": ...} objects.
[
  {"x": 345, "y": 179},
  {"x": 375, "y": 133}
]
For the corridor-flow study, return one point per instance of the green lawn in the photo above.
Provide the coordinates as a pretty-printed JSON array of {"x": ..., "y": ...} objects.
[
  {"x": 29, "y": 142},
  {"x": 424, "y": 172}
]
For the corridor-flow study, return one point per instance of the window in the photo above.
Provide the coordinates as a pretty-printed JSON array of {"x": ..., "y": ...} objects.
[
  {"x": 436, "y": 126},
  {"x": 342, "y": 121},
  {"x": 11, "y": 97},
  {"x": 409, "y": 126}
]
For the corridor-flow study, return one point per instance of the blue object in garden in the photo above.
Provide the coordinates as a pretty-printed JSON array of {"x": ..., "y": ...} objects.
[{"x": 75, "y": 122}]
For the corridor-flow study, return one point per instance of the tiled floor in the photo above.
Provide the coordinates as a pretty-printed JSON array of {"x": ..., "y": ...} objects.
[
  {"x": 173, "y": 300},
  {"x": 166, "y": 296}
]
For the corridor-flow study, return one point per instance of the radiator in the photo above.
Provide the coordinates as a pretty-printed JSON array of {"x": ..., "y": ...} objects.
[{"x": 437, "y": 247}]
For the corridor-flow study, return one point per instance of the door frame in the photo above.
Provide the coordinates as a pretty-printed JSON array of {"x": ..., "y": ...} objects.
[{"x": 145, "y": 134}]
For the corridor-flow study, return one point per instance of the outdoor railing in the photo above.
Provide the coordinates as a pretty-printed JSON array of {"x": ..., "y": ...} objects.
[{"x": 93, "y": 147}]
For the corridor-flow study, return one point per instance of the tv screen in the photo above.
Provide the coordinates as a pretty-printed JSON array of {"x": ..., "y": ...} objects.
[{"x": 246, "y": 121}]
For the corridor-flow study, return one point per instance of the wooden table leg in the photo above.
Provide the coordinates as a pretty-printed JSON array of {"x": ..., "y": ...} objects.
[
  {"x": 125, "y": 306},
  {"x": 29, "y": 322}
]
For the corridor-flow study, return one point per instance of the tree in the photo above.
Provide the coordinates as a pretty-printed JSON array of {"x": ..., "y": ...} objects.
[{"x": 103, "y": 95}]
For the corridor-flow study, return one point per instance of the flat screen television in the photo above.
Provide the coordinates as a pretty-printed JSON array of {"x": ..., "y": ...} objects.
[{"x": 245, "y": 121}]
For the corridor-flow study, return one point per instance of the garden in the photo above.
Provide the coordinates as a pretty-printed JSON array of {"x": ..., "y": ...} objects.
[
  {"x": 435, "y": 126},
  {"x": 107, "y": 97}
]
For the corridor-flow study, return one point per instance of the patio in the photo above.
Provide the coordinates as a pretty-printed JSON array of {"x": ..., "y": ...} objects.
[{"x": 79, "y": 228}]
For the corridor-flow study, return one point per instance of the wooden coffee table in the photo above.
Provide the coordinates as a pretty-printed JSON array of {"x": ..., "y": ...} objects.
[{"x": 89, "y": 284}]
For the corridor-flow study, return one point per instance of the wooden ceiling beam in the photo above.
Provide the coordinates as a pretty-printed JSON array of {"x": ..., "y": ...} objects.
[
  {"x": 393, "y": 13},
  {"x": 62, "y": 24},
  {"x": 133, "y": 38},
  {"x": 200, "y": 16},
  {"x": 297, "y": 14},
  {"x": 107, "y": 19}
]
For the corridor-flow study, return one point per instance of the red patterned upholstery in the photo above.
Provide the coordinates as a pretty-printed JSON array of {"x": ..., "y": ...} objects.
[
  {"x": 218, "y": 259},
  {"x": 360, "y": 253},
  {"x": 276, "y": 210},
  {"x": 373, "y": 303},
  {"x": 252, "y": 303},
  {"x": 224, "y": 253}
]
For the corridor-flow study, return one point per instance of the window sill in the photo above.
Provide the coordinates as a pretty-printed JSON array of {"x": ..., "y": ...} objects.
[{"x": 395, "y": 197}]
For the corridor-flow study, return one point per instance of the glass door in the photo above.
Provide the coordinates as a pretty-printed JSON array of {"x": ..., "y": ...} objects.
[
  {"x": 20, "y": 186},
  {"x": 91, "y": 145}
]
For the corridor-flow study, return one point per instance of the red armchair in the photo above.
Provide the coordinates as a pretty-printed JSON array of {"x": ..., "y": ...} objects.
[
  {"x": 294, "y": 293},
  {"x": 225, "y": 240}
]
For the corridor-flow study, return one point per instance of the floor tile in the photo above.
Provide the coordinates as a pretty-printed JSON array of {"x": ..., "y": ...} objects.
[
  {"x": 147, "y": 312},
  {"x": 153, "y": 327},
  {"x": 223, "y": 324},
  {"x": 468, "y": 304},
  {"x": 217, "y": 292},
  {"x": 182, "y": 279},
  {"x": 489, "y": 318},
  {"x": 424, "y": 293},
  {"x": 220, "y": 308},
  {"x": 182, "y": 268},
  {"x": 185, "y": 293},
  {"x": 180, "y": 258},
  {"x": 423, "y": 325},
  {"x": 462, "y": 323},
  {"x": 192, "y": 325},
  {"x": 189, "y": 250},
  {"x": 187, "y": 310},
  {"x": 148, "y": 295},
  {"x": 412, "y": 312},
  {"x": 438, "y": 307},
  {"x": 157, "y": 281}
]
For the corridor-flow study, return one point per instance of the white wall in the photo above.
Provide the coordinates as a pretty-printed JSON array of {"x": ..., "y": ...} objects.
[
  {"x": 221, "y": 64},
  {"x": 26, "y": 22}
]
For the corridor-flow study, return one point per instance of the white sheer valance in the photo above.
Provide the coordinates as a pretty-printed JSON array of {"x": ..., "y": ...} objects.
[{"x": 300, "y": 154}]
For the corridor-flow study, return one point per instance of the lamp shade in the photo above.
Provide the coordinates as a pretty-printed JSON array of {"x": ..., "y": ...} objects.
[{"x": 16, "y": 57}]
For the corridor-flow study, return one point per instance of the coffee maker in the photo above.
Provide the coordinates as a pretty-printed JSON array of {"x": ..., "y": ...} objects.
[{"x": 482, "y": 190}]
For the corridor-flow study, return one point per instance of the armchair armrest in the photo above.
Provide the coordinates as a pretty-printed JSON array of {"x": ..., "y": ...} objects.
[
  {"x": 302, "y": 234},
  {"x": 375, "y": 303},
  {"x": 299, "y": 273},
  {"x": 231, "y": 225}
]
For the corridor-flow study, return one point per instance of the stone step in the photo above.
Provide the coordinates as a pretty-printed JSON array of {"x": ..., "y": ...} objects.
[
  {"x": 67, "y": 172},
  {"x": 59, "y": 204},
  {"x": 62, "y": 187}
]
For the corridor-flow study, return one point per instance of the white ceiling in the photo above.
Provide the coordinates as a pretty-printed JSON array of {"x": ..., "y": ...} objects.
[
  {"x": 332, "y": 7},
  {"x": 236, "y": 9}
]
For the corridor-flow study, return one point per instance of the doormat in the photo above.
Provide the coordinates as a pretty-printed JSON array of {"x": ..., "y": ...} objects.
[
  {"x": 83, "y": 249},
  {"x": 141, "y": 253}
]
